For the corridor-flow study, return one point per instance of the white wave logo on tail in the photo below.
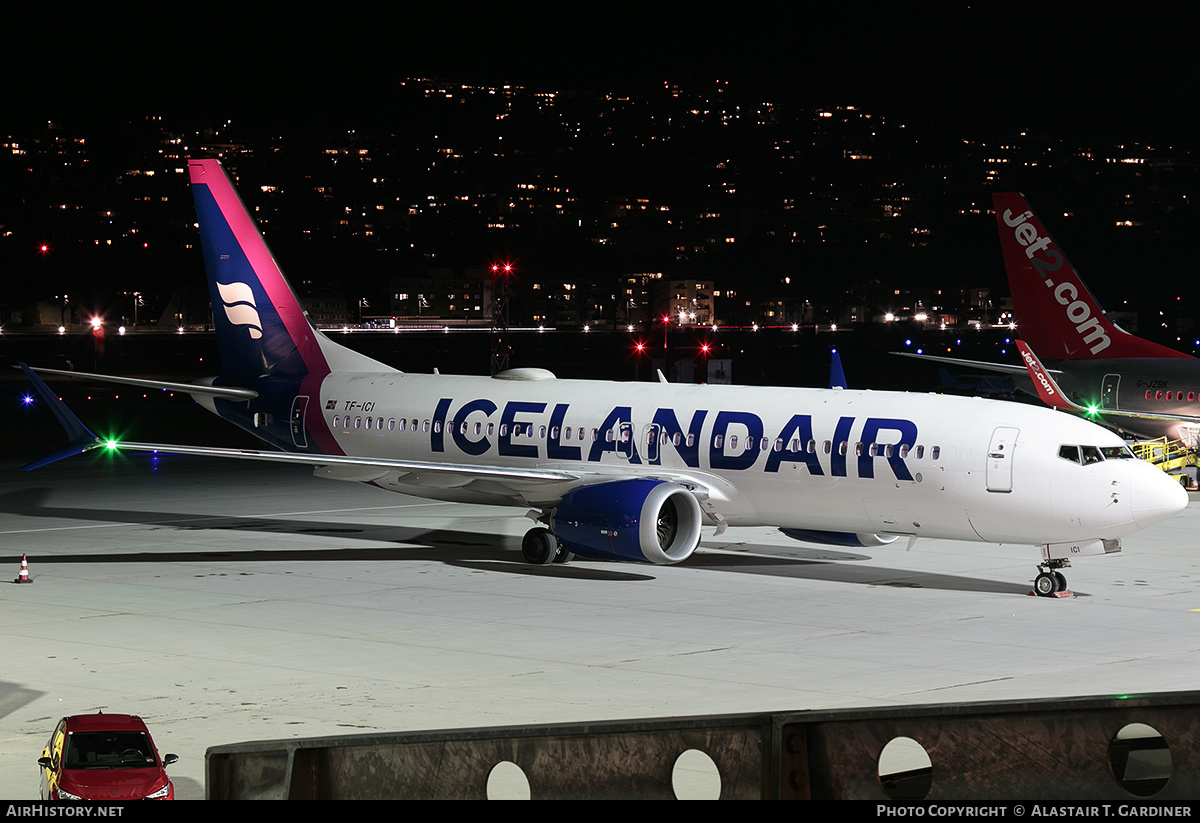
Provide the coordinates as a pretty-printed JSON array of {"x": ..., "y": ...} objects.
[{"x": 239, "y": 306}]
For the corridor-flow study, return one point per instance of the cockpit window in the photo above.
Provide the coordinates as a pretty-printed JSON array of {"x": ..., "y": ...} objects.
[
  {"x": 1069, "y": 453},
  {"x": 1087, "y": 455}
]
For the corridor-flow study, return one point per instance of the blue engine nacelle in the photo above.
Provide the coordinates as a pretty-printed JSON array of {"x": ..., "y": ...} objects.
[
  {"x": 644, "y": 520},
  {"x": 859, "y": 541}
]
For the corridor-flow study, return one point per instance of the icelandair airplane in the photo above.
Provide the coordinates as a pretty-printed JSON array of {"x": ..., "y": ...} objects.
[
  {"x": 632, "y": 471},
  {"x": 1140, "y": 386}
]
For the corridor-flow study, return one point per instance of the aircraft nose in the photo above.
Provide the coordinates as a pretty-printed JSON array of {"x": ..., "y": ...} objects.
[{"x": 1155, "y": 496}]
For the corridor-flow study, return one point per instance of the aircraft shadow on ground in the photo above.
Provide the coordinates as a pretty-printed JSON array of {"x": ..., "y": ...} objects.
[{"x": 471, "y": 550}]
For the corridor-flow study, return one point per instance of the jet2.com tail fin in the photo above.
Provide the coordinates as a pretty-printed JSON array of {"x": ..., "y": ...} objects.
[
  {"x": 261, "y": 327},
  {"x": 1055, "y": 312}
]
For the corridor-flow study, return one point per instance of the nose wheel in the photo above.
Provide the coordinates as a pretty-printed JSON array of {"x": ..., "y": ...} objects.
[{"x": 1050, "y": 582}]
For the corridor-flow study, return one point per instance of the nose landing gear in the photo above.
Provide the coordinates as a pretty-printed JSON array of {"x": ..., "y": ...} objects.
[{"x": 1050, "y": 582}]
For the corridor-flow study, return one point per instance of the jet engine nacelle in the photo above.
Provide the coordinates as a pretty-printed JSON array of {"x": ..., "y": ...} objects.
[
  {"x": 643, "y": 520},
  {"x": 851, "y": 539}
]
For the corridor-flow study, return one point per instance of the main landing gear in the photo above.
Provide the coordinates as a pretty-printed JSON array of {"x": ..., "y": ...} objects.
[
  {"x": 540, "y": 547},
  {"x": 1050, "y": 582}
]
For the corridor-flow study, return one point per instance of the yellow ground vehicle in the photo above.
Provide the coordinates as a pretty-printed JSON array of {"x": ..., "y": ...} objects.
[{"x": 1172, "y": 456}]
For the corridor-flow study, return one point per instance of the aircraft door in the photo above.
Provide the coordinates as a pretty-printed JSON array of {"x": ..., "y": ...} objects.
[
  {"x": 1000, "y": 459},
  {"x": 1108, "y": 391},
  {"x": 299, "y": 408}
]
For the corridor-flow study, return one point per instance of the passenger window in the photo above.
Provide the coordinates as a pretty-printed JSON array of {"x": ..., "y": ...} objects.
[
  {"x": 828, "y": 447},
  {"x": 504, "y": 430},
  {"x": 391, "y": 424},
  {"x": 608, "y": 436},
  {"x": 843, "y": 447},
  {"x": 887, "y": 450},
  {"x": 935, "y": 452},
  {"x": 425, "y": 426},
  {"x": 583, "y": 431},
  {"x": 779, "y": 445},
  {"x": 437, "y": 425},
  {"x": 401, "y": 424},
  {"x": 358, "y": 422},
  {"x": 478, "y": 428},
  {"x": 337, "y": 421},
  {"x": 733, "y": 441},
  {"x": 541, "y": 431},
  {"x": 920, "y": 452},
  {"x": 491, "y": 429},
  {"x": 903, "y": 450},
  {"x": 676, "y": 438},
  {"x": 567, "y": 433},
  {"x": 873, "y": 450},
  {"x": 719, "y": 441},
  {"x": 812, "y": 447},
  {"x": 858, "y": 449},
  {"x": 691, "y": 440}
]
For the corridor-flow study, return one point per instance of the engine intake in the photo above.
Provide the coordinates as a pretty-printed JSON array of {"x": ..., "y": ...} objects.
[{"x": 643, "y": 520}]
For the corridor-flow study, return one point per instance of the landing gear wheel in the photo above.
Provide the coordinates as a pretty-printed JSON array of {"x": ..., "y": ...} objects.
[
  {"x": 1045, "y": 584},
  {"x": 539, "y": 546},
  {"x": 1062, "y": 582},
  {"x": 563, "y": 556}
]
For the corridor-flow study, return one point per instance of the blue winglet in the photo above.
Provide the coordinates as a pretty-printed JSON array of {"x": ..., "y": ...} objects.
[
  {"x": 81, "y": 439},
  {"x": 837, "y": 379}
]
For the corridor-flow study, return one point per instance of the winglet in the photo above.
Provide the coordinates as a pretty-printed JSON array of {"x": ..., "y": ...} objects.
[
  {"x": 81, "y": 439},
  {"x": 1047, "y": 389},
  {"x": 837, "y": 378}
]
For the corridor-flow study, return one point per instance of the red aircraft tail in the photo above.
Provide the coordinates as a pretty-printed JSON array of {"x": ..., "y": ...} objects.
[{"x": 1055, "y": 312}]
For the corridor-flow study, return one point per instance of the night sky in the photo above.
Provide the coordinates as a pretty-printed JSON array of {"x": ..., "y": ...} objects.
[{"x": 995, "y": 66}]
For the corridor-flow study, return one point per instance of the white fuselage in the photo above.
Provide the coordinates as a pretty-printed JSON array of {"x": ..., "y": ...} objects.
[{"x": 836, "y": 460}]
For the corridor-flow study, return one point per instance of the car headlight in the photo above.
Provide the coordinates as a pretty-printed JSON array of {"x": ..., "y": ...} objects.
[
  {"x": 63, "y": 794},
  {"x": 161, "y": 793}
]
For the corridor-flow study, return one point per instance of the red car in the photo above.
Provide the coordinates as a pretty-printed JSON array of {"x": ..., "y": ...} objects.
[{"x": 104, "y": 757}]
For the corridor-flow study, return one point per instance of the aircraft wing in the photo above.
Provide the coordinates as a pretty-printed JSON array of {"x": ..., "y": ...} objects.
[
  {"x": 225, "y": 392},
  {"x": 1003, "y": 368},
  {"x": 535, "y": 483},
  {"x": 527, "y": 482}
]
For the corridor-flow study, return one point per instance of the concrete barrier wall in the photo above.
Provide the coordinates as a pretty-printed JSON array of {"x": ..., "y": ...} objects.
[{"x": 1097, "y": 748}]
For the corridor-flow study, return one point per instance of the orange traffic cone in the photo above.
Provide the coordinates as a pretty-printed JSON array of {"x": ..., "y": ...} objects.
[{"x": 23, "y": 577}]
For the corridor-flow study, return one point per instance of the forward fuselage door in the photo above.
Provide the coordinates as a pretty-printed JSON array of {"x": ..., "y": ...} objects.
[
  {"x": 1000, "y": 459},
  {"x": 1108, "y": 391},
  {"x": 299, "y": 407}
]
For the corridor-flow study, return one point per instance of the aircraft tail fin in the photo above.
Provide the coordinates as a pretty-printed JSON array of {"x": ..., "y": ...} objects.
[
  {"x": 1055, "y": 312},
  {"x": 261, "y": 326}
]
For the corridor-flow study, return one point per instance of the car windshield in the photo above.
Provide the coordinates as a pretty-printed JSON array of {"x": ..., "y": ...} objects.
[{"x": 109, "y": 750}]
